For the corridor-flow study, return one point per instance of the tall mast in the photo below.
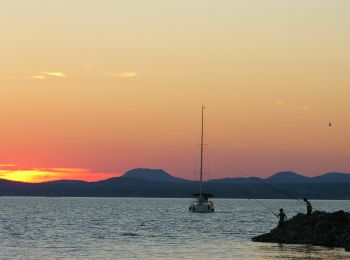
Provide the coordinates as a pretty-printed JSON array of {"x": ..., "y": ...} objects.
[{"x": 201, "y": 165}]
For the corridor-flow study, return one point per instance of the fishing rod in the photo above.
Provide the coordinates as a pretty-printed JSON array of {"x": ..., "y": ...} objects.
[
  {"x": 263, "y": 205},
  {"x": 268, "y": 185},
  {"x": 257, "y": 201}
]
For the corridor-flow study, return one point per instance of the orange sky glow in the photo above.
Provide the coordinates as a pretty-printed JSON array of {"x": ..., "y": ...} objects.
[
  {"x": 11, "y": 172},
  {"x": 91, "y": 89}
]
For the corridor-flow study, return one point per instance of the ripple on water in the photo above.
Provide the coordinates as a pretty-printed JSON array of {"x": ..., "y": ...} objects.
[{"x": 121, "y": 228}]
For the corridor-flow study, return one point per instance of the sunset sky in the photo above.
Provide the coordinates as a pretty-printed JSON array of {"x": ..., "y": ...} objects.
[{"x": 93, "y": 88}]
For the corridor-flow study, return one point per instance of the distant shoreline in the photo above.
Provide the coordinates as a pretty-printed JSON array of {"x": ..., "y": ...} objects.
[
  {"x": 156, "y": 183},
  {"x": 128, "y": 197}
]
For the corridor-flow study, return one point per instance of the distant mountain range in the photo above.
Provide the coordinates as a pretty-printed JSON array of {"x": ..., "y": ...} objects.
[
  {"x": 280, "y": 177},
  {"x": 291, "y": 177},
  {"x": 158, "y": 183}
]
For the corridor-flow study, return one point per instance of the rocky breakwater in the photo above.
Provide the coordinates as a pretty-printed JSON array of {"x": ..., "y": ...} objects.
[{"x": 321, "y": 228}]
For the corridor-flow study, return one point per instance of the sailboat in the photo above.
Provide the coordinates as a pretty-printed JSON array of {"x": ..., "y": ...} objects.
[{"x": 201, "y": 202}]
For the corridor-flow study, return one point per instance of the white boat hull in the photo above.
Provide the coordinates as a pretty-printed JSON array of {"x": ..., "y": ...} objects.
[{"x": 202, "y": 207}]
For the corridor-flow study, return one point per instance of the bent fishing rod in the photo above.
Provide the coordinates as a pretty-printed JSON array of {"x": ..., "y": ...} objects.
[{"x": 268, "y": 185}]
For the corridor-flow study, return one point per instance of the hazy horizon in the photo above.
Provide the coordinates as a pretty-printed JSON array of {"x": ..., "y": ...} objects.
[{"x": 76, "y": 176}]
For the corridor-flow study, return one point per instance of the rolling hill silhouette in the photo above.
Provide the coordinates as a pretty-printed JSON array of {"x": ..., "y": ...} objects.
[
  {"x": 158, "y": 183},
  {"x": 152, "y": 175},
  {"x": 288, "y": 177}
]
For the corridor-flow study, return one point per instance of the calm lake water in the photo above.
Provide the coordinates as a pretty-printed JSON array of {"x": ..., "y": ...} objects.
[{"x": 139, "y": 228}]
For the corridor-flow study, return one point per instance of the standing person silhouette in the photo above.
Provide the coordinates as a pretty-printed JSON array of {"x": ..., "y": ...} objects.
[
  {"x": 308, "y": 207},
  {"x": 283, "y": 217}
]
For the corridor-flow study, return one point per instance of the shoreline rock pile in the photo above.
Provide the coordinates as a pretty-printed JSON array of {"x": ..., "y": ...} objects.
[{"x": 321, "y": 229}]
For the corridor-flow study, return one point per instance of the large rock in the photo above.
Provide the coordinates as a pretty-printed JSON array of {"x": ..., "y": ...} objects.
[{"x": 321, "y": 228}]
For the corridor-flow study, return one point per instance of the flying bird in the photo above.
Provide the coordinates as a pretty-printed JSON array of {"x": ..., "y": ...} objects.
[{"x": 330, "y": 124}]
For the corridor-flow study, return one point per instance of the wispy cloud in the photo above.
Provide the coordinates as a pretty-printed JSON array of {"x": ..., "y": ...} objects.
[
  {"x": 68, "y": 169},
  {"x": 306, "y": 108},
  {"x": 279, "y": 103},
  {"x": 40, "y": 77},
  {"x": 7, "y": 165},
  {"x": 56, "y": 74},
  {"x": 126, "y": 74},
  {"x": 45, "y": 75},
  {"x": 35, "y": 75},
  {"x": 134, "y": 109},
  {"x": 9, "y": 77}
]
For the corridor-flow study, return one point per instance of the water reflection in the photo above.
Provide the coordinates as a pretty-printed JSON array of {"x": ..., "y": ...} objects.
[{"x": 298, "y": 252}]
